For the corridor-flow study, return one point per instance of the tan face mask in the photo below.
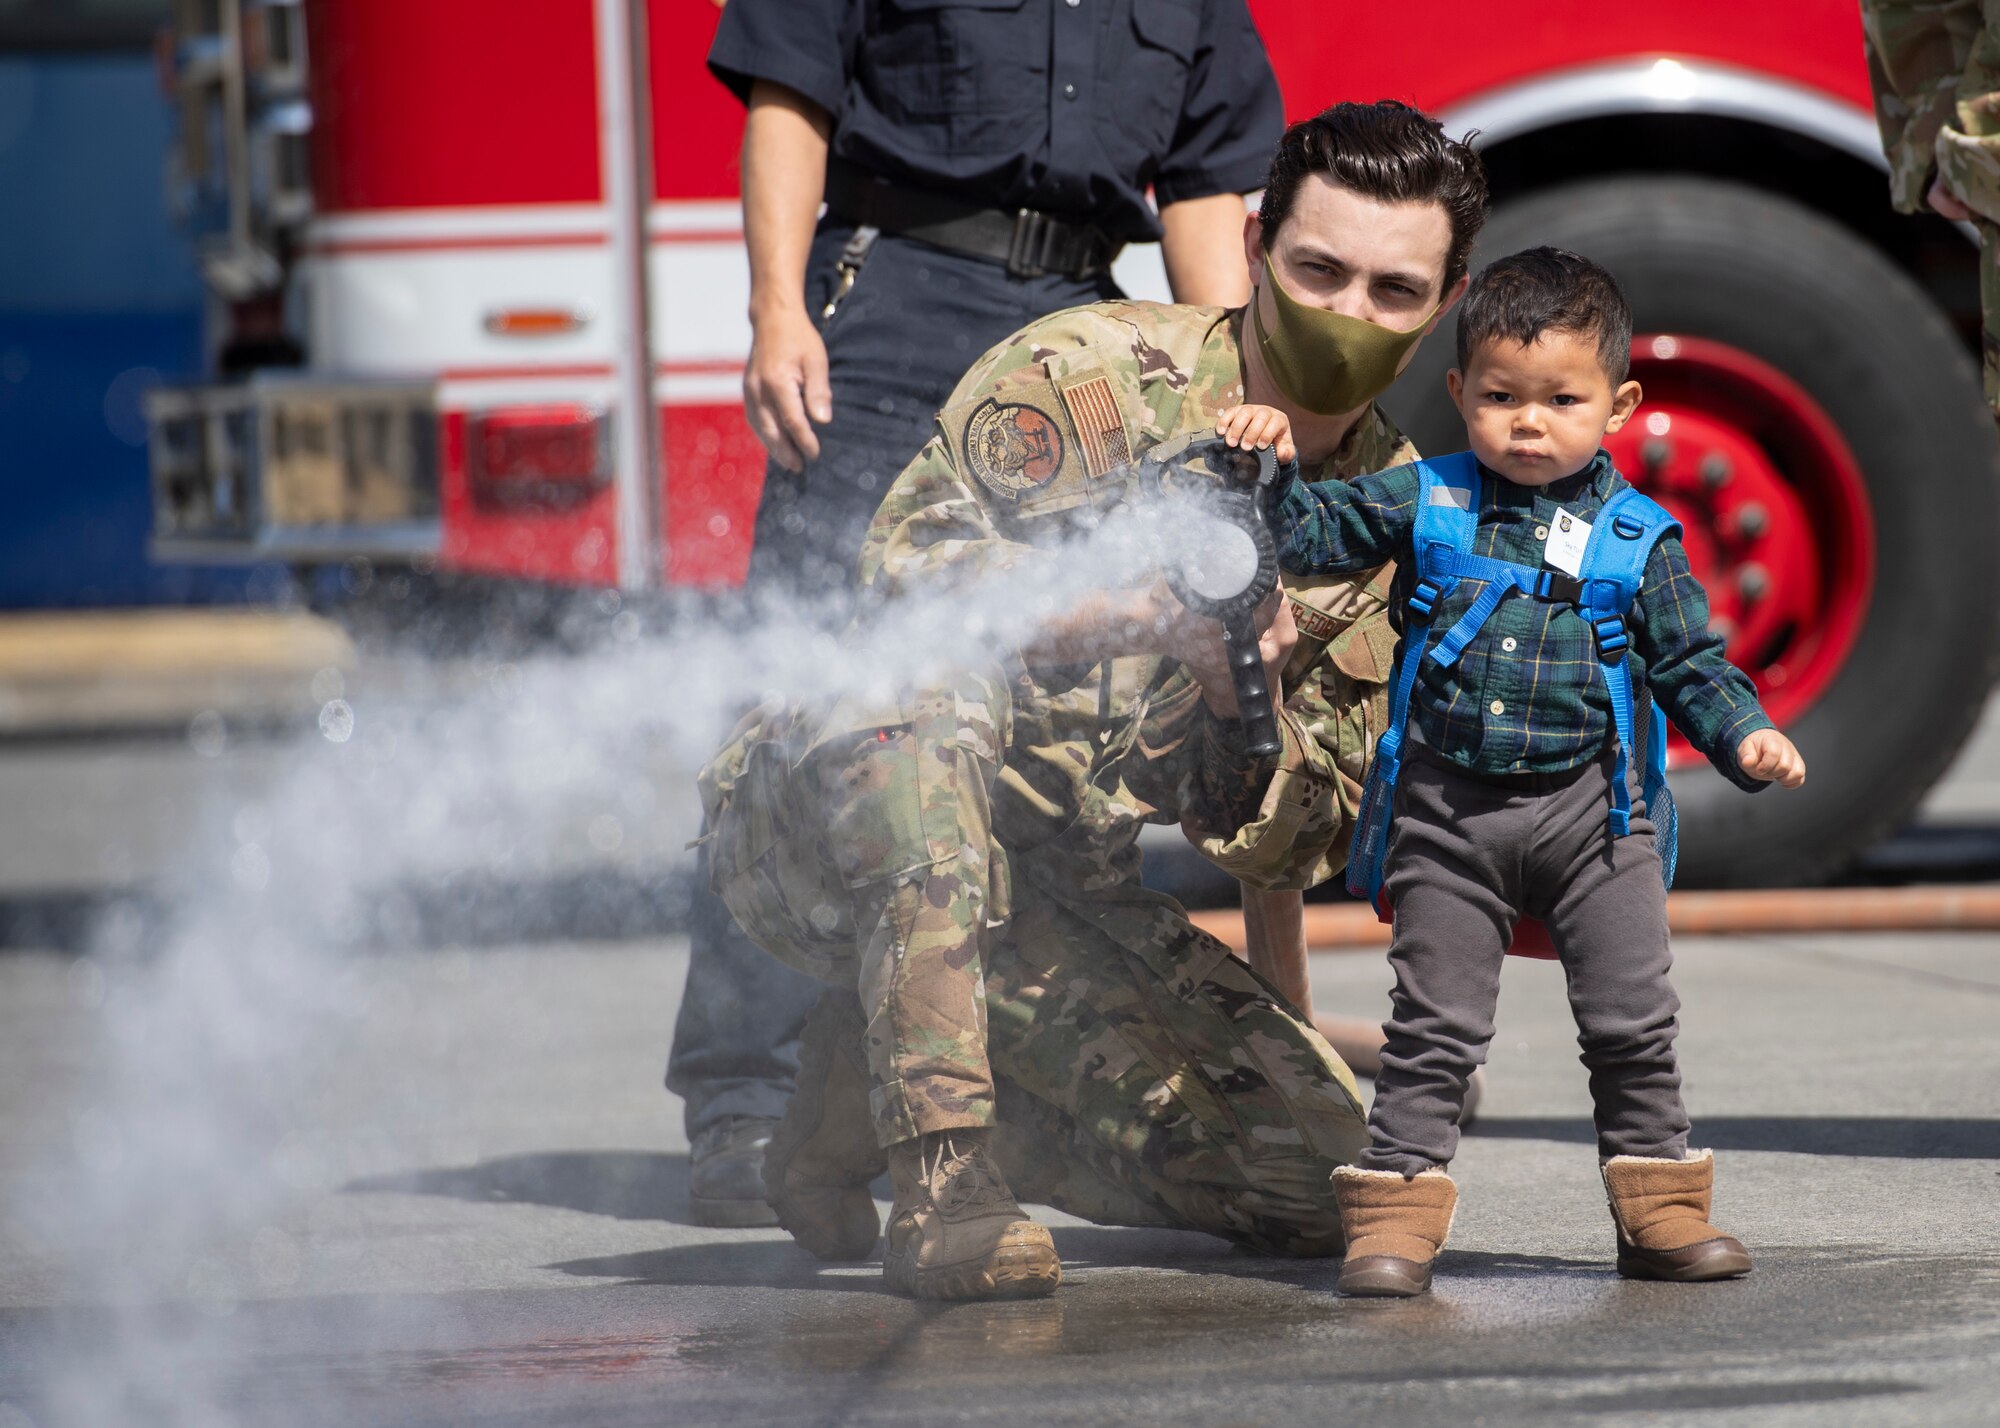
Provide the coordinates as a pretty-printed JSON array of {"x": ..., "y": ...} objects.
[{"x": 1327, "y": 362}]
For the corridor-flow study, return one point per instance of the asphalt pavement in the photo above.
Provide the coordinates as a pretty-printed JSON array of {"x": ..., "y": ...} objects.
[
  {"x": 445, "y": 1187},
  {"x": 338, "y": 1129}
]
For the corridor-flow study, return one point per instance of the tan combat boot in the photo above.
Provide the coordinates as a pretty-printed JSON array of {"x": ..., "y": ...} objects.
[
  {"x": 1395, "y": 1227},
  {"x": 1661, "y": 1208},
  {"x": 955, "y": 1231},
  {"x": 823, "y": 1153}
]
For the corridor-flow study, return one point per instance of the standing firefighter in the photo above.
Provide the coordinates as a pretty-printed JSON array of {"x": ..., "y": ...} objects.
[
  {"x": 965, "y": 855},
  {"x": 980, "y": 167},
  {"x": 1936, "y": 70}
]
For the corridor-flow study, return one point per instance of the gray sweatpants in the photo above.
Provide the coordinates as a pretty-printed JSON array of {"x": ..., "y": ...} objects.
[{"x": 1468, "y": 856}]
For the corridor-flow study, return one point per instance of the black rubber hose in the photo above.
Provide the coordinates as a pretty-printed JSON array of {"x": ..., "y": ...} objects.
[{"x": 1253, "y": 691}]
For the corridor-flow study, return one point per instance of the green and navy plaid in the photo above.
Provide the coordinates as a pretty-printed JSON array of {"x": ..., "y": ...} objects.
[{"x": 1527, "y": 696}]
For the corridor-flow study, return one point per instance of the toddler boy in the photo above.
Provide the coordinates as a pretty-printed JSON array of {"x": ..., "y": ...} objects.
[{"x": 1503, "y": 806}]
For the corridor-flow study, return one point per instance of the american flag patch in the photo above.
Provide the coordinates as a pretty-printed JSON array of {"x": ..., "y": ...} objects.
[{"x": 1100, "y": 427}]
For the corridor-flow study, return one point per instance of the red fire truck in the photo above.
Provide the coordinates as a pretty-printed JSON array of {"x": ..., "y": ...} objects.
[{"x": 481, "y": 300}]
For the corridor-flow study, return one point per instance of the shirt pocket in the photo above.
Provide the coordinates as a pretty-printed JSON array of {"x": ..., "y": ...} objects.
[
  {"x": 1146, "y": 83},
  {"x": 970, "y": 72},
  {"x": 1171, "y": 27}
]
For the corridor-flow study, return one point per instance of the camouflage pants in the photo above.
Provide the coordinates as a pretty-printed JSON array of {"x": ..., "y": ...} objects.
[
  {"x": 1172, "y": 1088},
  {"x": 907, "y": 816},
  {"x": 1140, "y": 1074},
  {"x": 1202, "y": 1104}
]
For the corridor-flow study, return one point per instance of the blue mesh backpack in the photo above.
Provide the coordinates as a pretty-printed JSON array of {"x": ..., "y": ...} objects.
[{"x": 1614, "y": 562}]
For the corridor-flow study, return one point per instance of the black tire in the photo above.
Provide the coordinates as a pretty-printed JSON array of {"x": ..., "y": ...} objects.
[{"x": 1702, "y": 258}]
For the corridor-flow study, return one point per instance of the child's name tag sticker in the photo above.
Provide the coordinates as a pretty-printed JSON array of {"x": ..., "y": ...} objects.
[{"x": 1569, "y": 533}]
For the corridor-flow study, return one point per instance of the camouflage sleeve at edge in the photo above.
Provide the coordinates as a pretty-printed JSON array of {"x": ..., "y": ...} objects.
[
  {"x": 1968, "y": 142},
  {"x": 1917, "y": 56}
]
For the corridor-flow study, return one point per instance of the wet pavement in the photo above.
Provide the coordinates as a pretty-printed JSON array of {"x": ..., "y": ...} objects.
[
  {"x": 1151, "y": 1328},
  {"x": 469, "y": 1206},
  {"x": 250, "y": 1175}
]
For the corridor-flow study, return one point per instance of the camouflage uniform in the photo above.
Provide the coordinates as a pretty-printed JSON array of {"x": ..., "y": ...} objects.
[
  {"x": 1936, "y": 70},
  {"x": 967, "y": 855}
]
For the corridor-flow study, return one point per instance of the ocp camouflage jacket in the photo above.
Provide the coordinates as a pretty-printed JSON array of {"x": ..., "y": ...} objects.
[{"x": 1043, "y": 427}]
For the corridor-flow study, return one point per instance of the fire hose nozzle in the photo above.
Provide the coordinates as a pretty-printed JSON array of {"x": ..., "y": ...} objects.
[{"x": 1227, "y": 561}]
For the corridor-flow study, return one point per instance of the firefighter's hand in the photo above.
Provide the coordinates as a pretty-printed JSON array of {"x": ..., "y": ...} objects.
[
  {"x": 1771, "y": 757},
  {"x": 1250, "y": 426},
  {"x": 785, "y": 388},
  {"x": 1946, "y": 204},
  {"x": 1196, "y": 641}
]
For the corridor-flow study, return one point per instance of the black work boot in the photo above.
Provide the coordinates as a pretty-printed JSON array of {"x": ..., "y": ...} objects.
[
  {"x": 823, "y": 1154},
  {"x": 725, "y": 1174}
]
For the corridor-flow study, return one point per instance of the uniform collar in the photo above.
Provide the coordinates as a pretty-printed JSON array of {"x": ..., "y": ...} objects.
[
  {"x": 1356, "y": 434},
  {"x": 1370, "y": 445}
]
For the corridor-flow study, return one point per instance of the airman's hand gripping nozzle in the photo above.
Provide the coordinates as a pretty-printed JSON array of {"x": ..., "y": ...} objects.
[{"x": 1223, "y": 560}]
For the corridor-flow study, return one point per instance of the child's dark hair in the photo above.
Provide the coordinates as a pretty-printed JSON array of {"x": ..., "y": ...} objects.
[
  {"x": 1387, "y": 151},
  {"x": 1523, "y": 295}
]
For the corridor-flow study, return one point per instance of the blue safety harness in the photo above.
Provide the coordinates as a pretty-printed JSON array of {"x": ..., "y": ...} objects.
[{"x": 1614, "y": 563}]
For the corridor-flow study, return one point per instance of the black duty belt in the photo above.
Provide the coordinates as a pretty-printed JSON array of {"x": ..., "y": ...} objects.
[{"x": 1029, "y": 243}]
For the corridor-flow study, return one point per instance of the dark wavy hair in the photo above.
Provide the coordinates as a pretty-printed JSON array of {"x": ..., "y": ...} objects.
[
  {"x": 1523, "y": 295},
  {"x": 1387, "y": 151}
]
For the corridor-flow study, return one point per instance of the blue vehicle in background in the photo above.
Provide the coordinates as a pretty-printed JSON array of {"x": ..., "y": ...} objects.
[{"x": 100, "y": 298}]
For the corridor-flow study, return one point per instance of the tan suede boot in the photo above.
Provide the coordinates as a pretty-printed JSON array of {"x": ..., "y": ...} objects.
[
  {"x": 823, "y": 1153},
  {"x": 955, "y": 1231},
  {"x": 1395, "y": 1227},
  {"x": 1661, "y": 1208}
]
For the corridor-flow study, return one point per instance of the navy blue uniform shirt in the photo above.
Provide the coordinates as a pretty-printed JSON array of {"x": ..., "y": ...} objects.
[{"x": 1072, "y": 107}]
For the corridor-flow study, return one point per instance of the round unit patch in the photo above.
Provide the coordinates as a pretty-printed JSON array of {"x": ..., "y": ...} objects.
[{"x": 1012, "y": 449}]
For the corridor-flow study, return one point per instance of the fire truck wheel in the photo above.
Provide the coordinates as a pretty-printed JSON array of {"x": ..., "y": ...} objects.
[{"x": 1818, "y": 428}]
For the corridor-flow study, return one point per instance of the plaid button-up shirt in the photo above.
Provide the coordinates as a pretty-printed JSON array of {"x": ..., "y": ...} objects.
[{"x": 1527, "y": 695}]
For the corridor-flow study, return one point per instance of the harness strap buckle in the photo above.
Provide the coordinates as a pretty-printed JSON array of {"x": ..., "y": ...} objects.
[
  {"x": 1611, "y": 637},
  {"x": 1555, "y": 586}
]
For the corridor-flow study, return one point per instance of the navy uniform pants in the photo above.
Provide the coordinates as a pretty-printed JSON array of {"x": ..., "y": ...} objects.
[{"x": 915, "y": 319}]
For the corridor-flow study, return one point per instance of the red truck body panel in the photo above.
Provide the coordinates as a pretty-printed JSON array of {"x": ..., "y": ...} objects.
[{"x": 490, "y": 112}]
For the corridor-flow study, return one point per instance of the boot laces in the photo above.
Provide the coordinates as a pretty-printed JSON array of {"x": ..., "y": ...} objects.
[{"x": 962, "y": 1178}]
